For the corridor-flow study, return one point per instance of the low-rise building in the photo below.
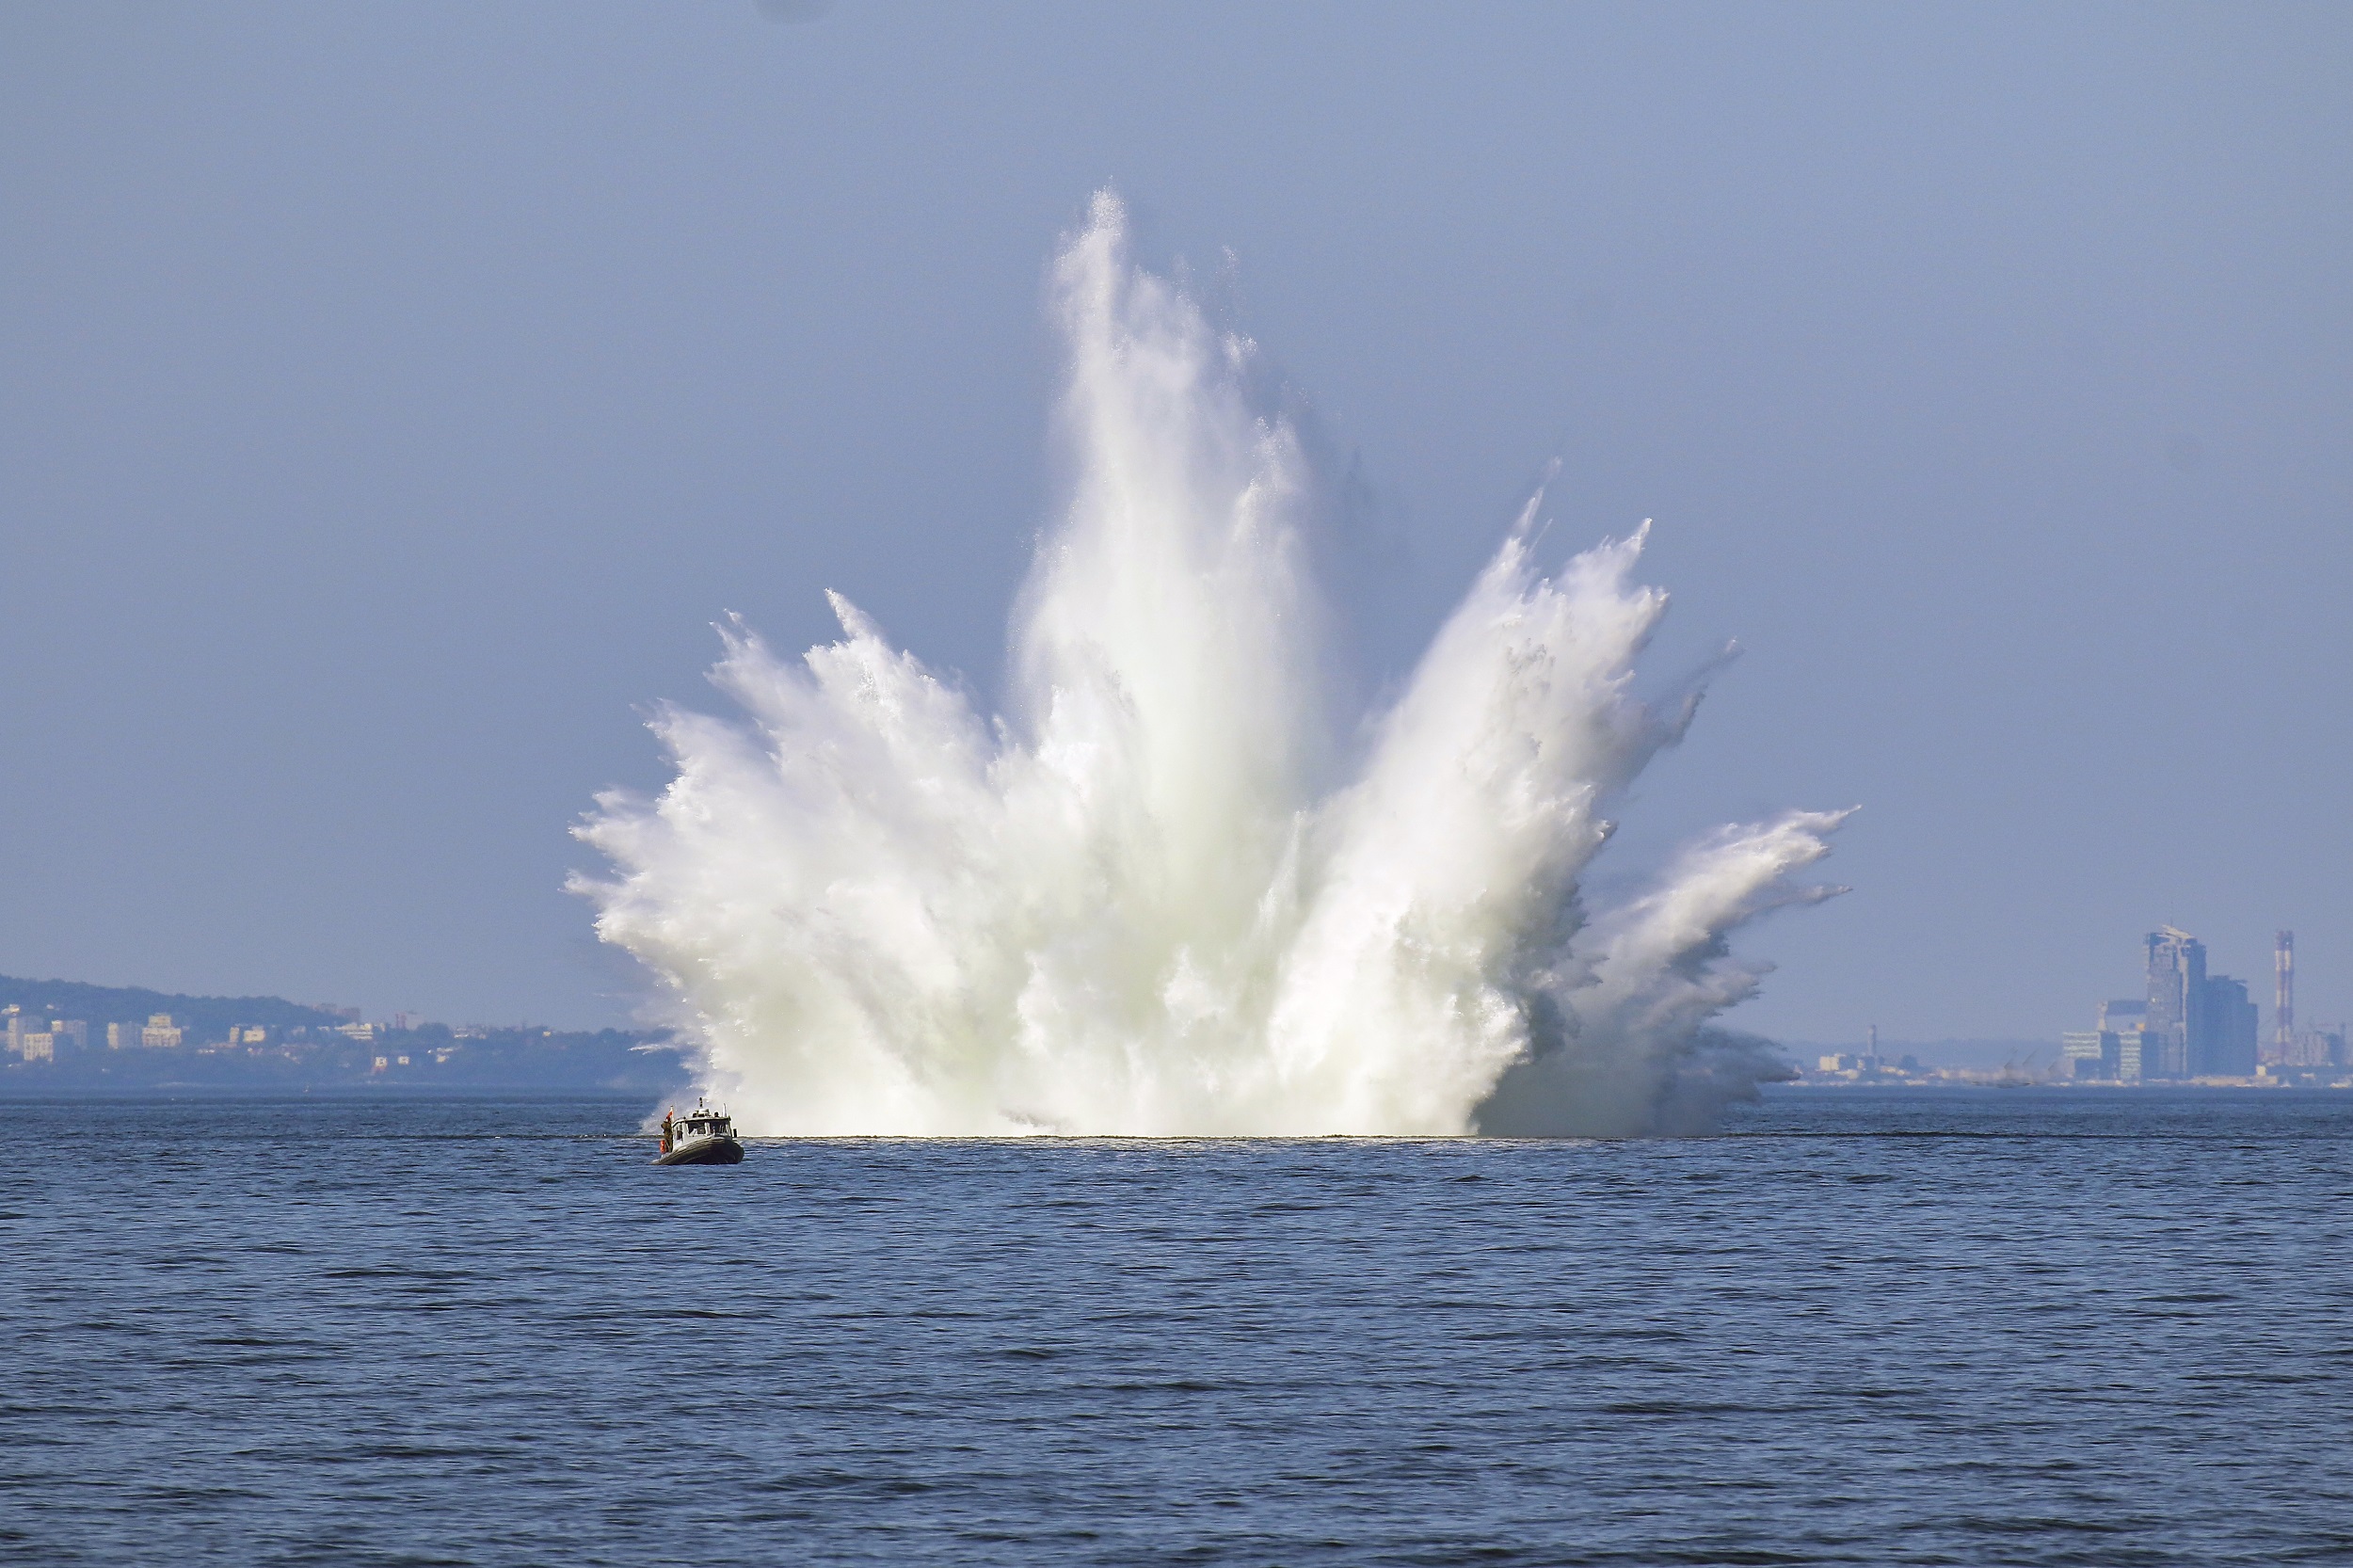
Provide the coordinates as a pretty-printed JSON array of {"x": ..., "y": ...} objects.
[
  {"x": 2316, "y": 1047},
  {"x": 2121, "y": 1048},
  {"x": 2093, "y": 1054}
]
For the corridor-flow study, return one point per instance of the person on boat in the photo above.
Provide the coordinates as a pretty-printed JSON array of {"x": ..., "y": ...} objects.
[{"x": 665, "y": 1129}]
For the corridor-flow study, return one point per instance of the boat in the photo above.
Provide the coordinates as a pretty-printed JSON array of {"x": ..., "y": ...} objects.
[{"x": 701, "y": 1137}]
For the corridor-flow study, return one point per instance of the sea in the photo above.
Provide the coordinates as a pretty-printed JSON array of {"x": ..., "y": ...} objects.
[{"x": 1911, "y": 1326}]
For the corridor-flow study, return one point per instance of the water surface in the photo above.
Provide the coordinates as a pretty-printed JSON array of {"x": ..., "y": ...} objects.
[{"x": 1932, "y": 1327}]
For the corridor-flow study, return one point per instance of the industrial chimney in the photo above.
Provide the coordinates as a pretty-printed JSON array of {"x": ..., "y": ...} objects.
[{"x": 2284, "y": 997}]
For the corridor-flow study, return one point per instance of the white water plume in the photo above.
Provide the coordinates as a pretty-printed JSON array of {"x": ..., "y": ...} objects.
[{"x": 1164, "y": 898}]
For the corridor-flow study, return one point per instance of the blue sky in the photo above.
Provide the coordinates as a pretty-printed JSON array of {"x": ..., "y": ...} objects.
[{"x": 394, "y": 395}]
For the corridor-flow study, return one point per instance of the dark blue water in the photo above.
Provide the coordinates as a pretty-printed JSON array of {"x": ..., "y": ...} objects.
[{"x": 1951, "y": 1327}]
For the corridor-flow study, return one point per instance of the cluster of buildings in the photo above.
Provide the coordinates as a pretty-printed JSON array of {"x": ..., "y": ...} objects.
[
  {"x": 2192, "y": 1026},
  {"x": 121, "y": 1038},
  {"x": 34, "y": 1036},
  {"x": 1871, "y": 1067},
  {"x": 38, "y": 1037},
  {"x": 1868, "y": 1065}
]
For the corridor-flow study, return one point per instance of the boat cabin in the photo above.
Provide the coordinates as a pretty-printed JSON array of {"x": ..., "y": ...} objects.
[
  {"x": 700, "y": 1128},
  {"x": 701, "y": 1123}
]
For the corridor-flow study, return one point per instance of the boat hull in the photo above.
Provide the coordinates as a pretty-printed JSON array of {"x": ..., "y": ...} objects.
[{"x": 704, "y": 1151}]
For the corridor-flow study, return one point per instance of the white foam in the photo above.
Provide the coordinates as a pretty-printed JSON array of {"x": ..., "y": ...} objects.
[{"x": 1157, "y": 901}]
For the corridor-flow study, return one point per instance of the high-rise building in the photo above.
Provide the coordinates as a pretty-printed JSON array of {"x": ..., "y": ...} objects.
[
  {"x": 160, "y": 1033},
  {"x": 2225, "y": 1038},
  {"x": 2177, "y": 995},
  {"x": 122, "y": 1036},
  {"x": 2204, "y": 1026}
]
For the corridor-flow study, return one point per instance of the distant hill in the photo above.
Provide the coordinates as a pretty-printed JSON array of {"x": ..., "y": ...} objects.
[
  {"x": 308, "y": 1049},
  {"x": 205, "y": 1018}
]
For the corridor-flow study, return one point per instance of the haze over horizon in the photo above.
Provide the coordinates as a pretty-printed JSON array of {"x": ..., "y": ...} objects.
[{"x": 396, "y": 395}]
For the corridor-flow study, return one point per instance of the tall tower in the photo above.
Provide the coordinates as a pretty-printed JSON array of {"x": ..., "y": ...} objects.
[
  {"x": 2177, "y": 995},
  {"x": 2284, "y": 997}
]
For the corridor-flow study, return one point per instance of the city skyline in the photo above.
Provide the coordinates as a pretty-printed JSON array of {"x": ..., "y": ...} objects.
[
  {"x": 2110, "y": 1052},
  {"x": 2189, "y": 1023}
]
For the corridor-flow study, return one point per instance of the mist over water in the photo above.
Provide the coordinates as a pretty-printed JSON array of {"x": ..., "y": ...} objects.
[{"x": 1178, "y": 890}]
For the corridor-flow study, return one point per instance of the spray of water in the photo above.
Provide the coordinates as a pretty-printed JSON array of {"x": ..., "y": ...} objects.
[{"x": 1162, "y": 898}]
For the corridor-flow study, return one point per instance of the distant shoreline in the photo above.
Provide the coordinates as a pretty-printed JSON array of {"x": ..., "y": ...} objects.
[
  {"x": 1938, "y": 1086},
  {"x": 18, "y": 1093}
]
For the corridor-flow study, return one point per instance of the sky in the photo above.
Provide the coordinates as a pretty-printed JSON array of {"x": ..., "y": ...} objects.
[{"x": 392, "y": 396}]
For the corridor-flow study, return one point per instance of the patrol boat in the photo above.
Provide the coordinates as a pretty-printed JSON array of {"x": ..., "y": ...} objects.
[{"x": 701, "y": 1137}]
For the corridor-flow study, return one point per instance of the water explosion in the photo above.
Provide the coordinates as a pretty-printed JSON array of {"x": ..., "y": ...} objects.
[{"x": 1163, "y": 900}]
